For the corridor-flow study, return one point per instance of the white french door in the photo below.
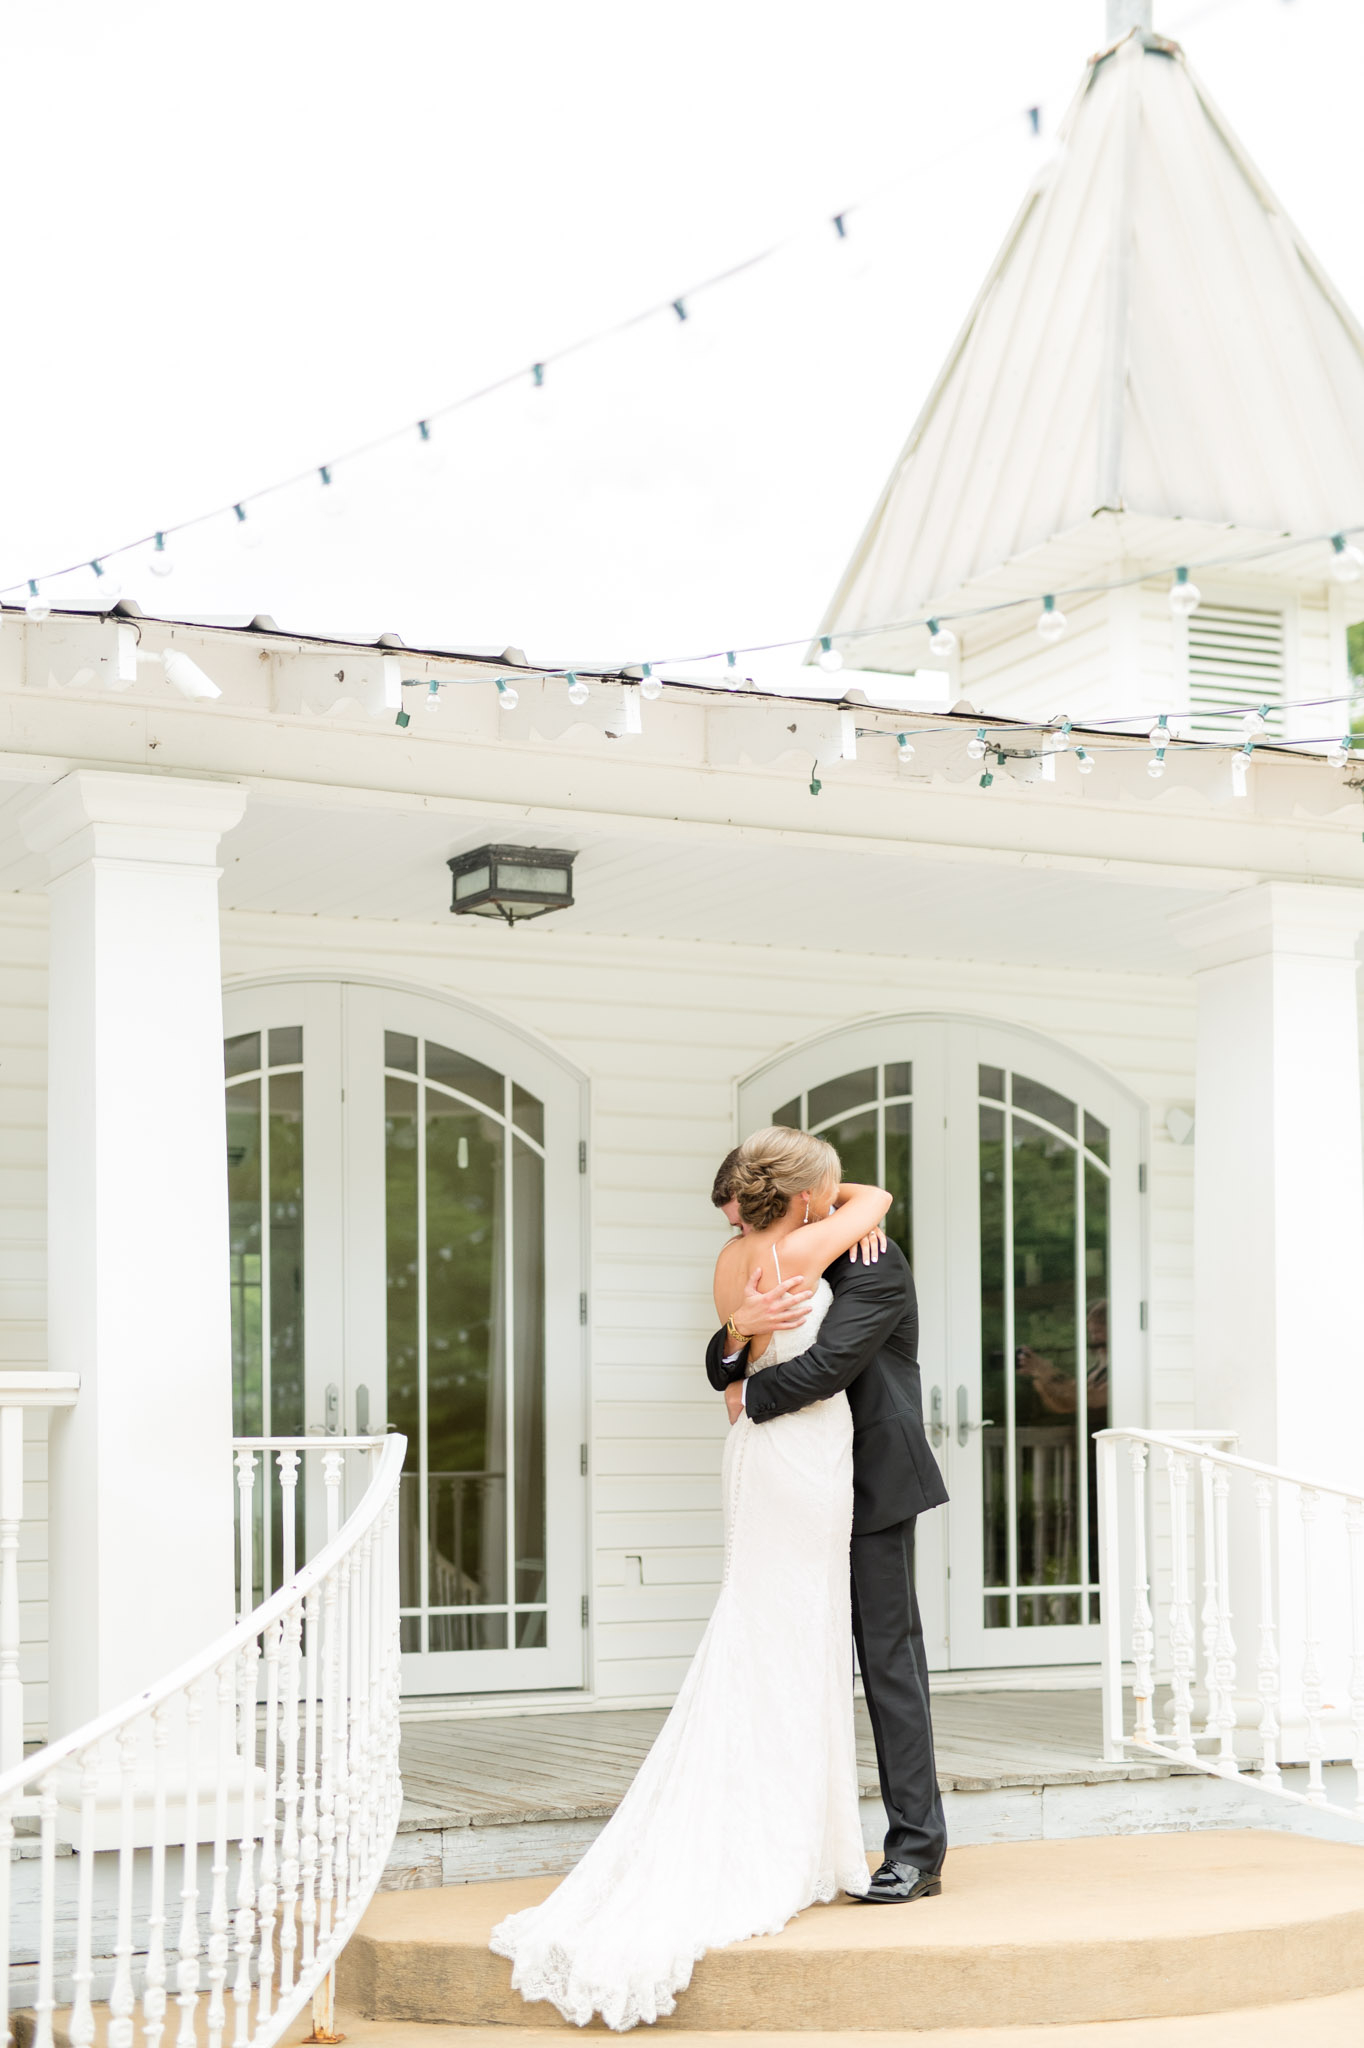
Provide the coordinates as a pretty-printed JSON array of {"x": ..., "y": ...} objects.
[
  {"x": 406, "y": 1224},
  {"x": 1015, "y": 1171}
]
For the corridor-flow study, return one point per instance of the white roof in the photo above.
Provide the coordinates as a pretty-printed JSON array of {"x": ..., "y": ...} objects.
[{"x": 1154, "y": 342}]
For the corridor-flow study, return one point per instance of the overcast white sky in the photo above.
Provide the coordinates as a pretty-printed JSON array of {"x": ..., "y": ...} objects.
[{"x": 245, "y": 237}]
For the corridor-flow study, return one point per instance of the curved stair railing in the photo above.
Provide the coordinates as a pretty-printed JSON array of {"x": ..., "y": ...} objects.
[
  {"x": 1202, "y": 1551},
  {"x": 215, "y": 1841}
]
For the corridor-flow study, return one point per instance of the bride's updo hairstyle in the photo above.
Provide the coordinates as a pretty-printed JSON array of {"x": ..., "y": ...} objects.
[{"x": 775, "y": 1164}]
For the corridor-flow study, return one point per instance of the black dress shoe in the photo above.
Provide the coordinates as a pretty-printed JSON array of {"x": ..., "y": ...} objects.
[{"x": 894, "y": 1884}]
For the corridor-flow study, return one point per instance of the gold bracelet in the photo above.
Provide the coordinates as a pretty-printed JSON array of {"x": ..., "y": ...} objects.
[{"x": 735, "y": 1332}]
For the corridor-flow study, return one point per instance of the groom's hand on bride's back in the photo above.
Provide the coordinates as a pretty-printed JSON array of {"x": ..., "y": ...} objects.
[{"x": 763, "y": 1311}]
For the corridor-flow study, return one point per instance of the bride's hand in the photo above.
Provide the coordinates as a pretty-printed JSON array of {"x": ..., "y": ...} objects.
[
  {"x": 734, "y": 1400},
  {"x": 870, "y": 1247}
]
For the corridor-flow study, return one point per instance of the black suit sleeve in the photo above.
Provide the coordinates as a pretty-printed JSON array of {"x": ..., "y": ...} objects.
[
  {"x": 865, "y": 1310},
  {"x": 718, "y": 1373}
]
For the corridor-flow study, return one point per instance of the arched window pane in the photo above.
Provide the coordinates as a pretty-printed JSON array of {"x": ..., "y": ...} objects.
[
  {"x": 1044, "y": 1102},
  {"x": 471, "y": 1077},
  {"x": 849, "y": 1091}
]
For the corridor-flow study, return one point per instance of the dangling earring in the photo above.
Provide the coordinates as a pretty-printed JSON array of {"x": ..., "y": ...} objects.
[{"x": 807, "y": 1212}]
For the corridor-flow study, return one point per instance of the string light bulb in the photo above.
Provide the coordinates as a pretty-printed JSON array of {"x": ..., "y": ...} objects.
[
  {"x": 1084, "y": 762},
  {"x": 976, "y": 747},
  {"x": 1185, "y": 597},
  {"x": 1051, "y": 624},
  {"x": 941, "y": 639},
  {"x": 35, "y": 605},
  {"x": 107, "y": 588},
  {"x": 162, "y": 561},
  {"x": 248, "y": 532},
  {"x": 578, "y": 691},
  {"x": 1338, "y": 753},
  {"x": 1257, "y": 721},
  {"x": 333, "y": 497},
  {"x": 507, "y": 696},
  {"x": 433, "y": 696},
  {"x": 1155, "y": 767},
  {"x": 1347, "y": 561},
  {"x": 906, "y": 747},
  {"x": 830, "y": 660},
  {"x": 732, "y": 677},
  {"x": 651, "y": 686},
  {"x": 1240, "y": 767},
  {"x": 430, "y": 454},
  {"x": 1159, "y": 734}
]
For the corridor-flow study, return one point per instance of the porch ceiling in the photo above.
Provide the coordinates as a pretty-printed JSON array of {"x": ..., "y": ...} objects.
[{"x": 391, "y": 867}]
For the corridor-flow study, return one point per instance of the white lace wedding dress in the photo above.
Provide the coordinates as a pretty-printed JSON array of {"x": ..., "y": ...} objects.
[{"x": 745, "y": 1810}]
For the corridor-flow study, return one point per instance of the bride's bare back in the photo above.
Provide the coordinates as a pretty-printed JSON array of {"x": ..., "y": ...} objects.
[{"x": 793, "y": 1248}]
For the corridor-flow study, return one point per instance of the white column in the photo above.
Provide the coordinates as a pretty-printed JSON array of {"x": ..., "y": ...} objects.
[
  {"x": 1279, "y": 1175},
  {"x": 1279, "y": 1249},
  {"x": 140, "y": 1469}
]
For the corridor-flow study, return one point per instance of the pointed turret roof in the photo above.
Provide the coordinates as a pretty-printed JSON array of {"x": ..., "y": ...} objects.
[{"x": 1154, "y": 343}]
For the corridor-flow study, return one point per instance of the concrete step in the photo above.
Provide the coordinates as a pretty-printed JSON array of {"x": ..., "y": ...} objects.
[
  {"x": 1028, "y": 1934},
  {"x": 1336, "y": 2022}
]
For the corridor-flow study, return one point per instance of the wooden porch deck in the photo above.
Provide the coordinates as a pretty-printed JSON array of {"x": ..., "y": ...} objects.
[{"x": 576, "y": 1766}]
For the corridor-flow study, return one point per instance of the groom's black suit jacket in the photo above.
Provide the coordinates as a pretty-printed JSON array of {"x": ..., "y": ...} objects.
[{"x": 868, "y": 1346}]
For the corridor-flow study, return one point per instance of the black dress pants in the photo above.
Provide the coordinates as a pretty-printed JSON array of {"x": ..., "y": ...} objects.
[{"x": 890, "y": 1655}]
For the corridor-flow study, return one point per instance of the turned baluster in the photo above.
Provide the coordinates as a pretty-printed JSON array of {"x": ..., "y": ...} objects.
[
  {"x": 326, "y": 1799},
  {"x": 341, "y": 1741},
  {"x": 245, "y": 1918},
  {"x": 1267, "y": 1663},
  {"x": 121, "y": 2002},
  {"x": 312, "y": 1674},
  {"x": 45, "y": 2003},
  {"x": 187, "y": 1937},
  {"x": 1225, "y": 1645},
  {"x": 82, "y": 2023},
  {"x": 1309, "y": 1507},
  {"x": 1181, "y": 1612},
  {"x": 154, "y": 1976},
  {"x": 288, "y": 1493},
  {"x": 246, "y": 1485},
  {"x": 217, "y": 1910},
  {"x": 269, "y": 1873},
  {"x": 1143, "y": 1622},
  {"x": 289, "y": 1797},
  {"x": 363, "y": 1837},
  {"x": 1354, "y": 1525},
  {"x": 1208, "y": 1613},
  {"x": 333, "y": 1463}
]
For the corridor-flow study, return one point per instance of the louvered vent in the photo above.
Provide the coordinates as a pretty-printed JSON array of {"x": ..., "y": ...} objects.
[{"x": 1235, "y": 663}]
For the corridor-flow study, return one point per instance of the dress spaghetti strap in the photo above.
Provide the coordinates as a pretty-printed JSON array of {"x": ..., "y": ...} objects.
[{"x": 777, "y": 1263}]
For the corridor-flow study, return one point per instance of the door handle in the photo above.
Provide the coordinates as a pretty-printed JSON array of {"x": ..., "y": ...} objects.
[
  {"x": 964, "y": 1422},
  {"x": 362, "y": 1411},
  {"x": 332, "y": 1410},
  {"x": 937, "y": 1428}
]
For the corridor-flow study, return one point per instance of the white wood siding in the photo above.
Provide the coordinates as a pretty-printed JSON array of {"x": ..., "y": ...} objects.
[
  {"x": 23, "y": 1229},
  {"x": 650, "y": 1026}
]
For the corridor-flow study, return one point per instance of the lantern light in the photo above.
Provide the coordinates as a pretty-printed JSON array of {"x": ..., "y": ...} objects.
[{"x": 511, "y": 882}]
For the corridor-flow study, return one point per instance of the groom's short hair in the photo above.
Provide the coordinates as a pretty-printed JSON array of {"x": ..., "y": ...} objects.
[{"x": 723, "y": 1189}]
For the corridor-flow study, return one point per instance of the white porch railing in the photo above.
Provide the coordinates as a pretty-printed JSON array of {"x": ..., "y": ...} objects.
[
  {"x": 1198, "y": 1546},
  {"x": 19, "y": 1391},
  {"x": 223, "y": 1832}
]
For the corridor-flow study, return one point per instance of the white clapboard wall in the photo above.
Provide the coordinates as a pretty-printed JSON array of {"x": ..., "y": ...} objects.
[{"x": 649, "y": 1024}]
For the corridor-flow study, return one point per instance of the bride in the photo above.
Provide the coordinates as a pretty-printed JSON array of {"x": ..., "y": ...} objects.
[{"x": 745, "y": 1811}]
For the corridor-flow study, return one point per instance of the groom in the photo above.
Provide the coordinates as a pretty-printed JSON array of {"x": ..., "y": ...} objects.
[{"x": 867, "y": 1346}]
